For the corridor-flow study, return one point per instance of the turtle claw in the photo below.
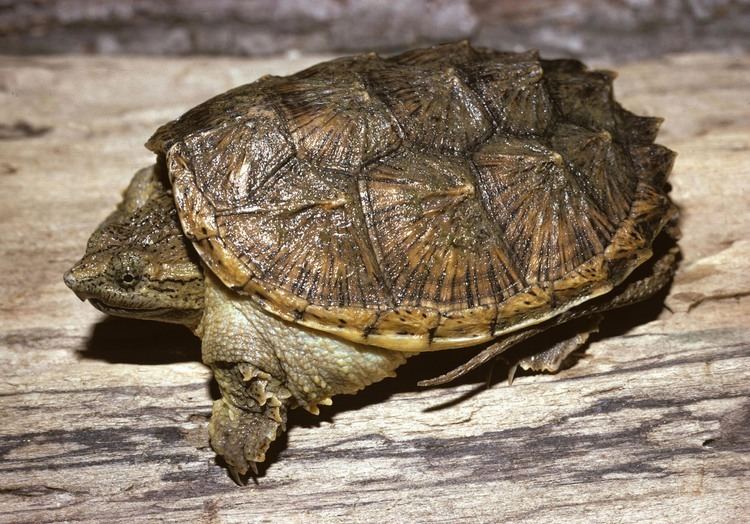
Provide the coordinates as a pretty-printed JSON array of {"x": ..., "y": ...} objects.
[
  {"x": 236, "y": 477},
  {"x": 241, "y": 479},
  {"x": 512, "y": 373}
]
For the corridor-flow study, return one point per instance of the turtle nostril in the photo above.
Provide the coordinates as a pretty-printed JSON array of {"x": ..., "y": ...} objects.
[
  {"x": 74, "y": 284},
  {"x": 70, "y": 279}
]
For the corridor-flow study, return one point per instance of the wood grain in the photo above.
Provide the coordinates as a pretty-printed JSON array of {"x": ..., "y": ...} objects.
[{"x": 105, "y": 419}]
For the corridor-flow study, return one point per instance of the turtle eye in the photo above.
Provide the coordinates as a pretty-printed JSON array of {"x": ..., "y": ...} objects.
[
  {"x": 129, "y": 279},
  {"x": 126, "y": 270}
]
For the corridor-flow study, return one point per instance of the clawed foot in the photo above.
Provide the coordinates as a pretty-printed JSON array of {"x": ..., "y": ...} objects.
[
  {"x": 550, "y": 360},
  {"x": 243, "y": 437}
]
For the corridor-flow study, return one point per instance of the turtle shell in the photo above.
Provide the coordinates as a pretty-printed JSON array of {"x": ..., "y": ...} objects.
[{"x": 434, "y": 199}]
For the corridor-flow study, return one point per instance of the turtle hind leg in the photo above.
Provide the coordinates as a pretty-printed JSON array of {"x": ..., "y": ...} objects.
[
  {"x": 637, "y": 290},
  {"x": 548, "y": 360},
  {"x": 657, "y": 277},
  {"x": 551, "y": 359}
]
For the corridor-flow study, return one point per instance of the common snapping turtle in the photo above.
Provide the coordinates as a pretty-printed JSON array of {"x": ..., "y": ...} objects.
[{"x": 317, "y": 229}]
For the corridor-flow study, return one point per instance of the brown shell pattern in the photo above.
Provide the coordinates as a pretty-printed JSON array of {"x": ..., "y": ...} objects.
[{"x": 434, "y": 199}]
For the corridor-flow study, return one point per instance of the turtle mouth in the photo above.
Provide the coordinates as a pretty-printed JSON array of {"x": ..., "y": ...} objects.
[{"x": 127, "y": 311}]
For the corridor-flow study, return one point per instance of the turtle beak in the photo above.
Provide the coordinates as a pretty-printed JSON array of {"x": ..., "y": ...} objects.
[{"x": 73, "y": 280}]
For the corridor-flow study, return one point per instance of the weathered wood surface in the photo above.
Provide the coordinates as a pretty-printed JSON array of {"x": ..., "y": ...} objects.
[{"x": 105, "y": 420}]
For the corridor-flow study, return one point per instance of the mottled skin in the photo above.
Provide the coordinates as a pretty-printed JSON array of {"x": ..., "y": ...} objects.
[{"x": 317, "y": 229}]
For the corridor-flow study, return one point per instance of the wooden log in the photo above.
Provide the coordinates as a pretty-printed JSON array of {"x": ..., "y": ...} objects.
[{"x": 104, "y": 420}]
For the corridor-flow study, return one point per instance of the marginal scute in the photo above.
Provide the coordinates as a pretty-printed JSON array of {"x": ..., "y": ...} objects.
[
  {"x": 279, "y": 301},
  {"x": 651, "y": 210},
  {"x": 196, "y": 214},
  {"x": 475, "y": 323},
  {"x": 405, "y": 321},
  {"x": 653, "y": 162},
  {"x": 346, "y": 322},
  {"x": 636, "y": 129},
  {"x": 589, "y": 277},
  {"x": 221, "y": 260},
  {"x": 397, "y": 341},
  {"x": 433, "y": 199},
  {"x": 532, "y": 303},
  {"x": 627, "y": 240},
  {"x": 620, "y": 267}
]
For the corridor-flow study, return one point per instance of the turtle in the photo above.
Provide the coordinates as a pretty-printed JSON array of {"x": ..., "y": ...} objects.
[{"x": 316, "y": 230}]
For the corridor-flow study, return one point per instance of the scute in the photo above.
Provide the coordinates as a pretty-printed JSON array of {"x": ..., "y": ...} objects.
[
  {"x": 335, "y": 121},
  {"x": 513, "y": 90},
  {"x": 433, "y": 199},
  {"x": 584, "y": 98},
  {"x": 229, "y": 165},
  {"x": 432, "y": 237},
  {"x": 550, "y": 221},
  {"x": 435, "y": 107},
  {"x": 602, "y": 168},
  {"x": 330, "y": 264},
  {"x": 452, "y": 54}
]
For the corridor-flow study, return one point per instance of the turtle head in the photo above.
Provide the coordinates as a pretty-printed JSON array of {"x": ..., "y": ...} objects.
[{"x": 138, "y": 262}]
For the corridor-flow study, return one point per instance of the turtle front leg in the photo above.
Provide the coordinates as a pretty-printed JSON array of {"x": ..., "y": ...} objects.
[
  {"x": 247, "y": 418},
  {"x": 265, "y": 366}
]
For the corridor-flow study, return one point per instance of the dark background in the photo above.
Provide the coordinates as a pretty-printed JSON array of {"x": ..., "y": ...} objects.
[{"x": 620, "y": 29}]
